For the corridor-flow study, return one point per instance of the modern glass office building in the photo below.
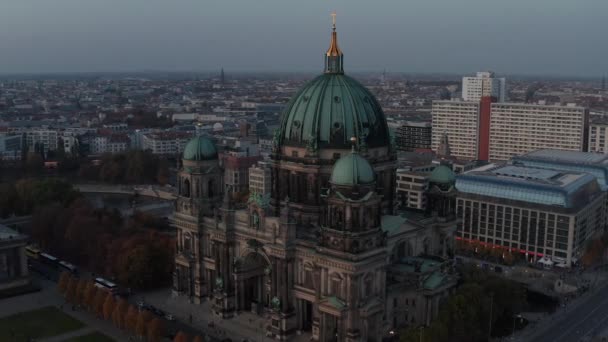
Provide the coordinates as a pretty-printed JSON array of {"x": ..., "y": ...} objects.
[{"x": 534, "y": 211}]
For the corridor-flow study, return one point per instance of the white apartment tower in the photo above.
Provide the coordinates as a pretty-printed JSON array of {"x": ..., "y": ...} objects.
[
  {"x": 483, "y": 84},
  {"x": 512, "y": 129}
]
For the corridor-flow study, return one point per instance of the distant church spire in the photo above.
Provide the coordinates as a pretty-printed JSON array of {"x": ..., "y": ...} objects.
[
  {"x": 222, "y": 76},
  {"x": 334, "y": 58}
]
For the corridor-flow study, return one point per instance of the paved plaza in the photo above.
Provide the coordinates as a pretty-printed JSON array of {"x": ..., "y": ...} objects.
[{"x": 244, "y": 326}]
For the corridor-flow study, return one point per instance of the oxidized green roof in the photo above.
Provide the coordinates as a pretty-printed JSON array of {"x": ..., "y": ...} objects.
[
  {"x": 352, "y": 169},
  {"x": 442, "y": 175},
  {"x": 200, "y": 148},
  {"x": 331, "y": 109}
]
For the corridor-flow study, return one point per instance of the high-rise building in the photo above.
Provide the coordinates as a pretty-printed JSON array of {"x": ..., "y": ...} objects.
[
  {"x": 459, "y": 121},
  {"x": 484, "y": 84},
  {"x": 530, "y": 211},
  {"x": 498, "y": 131},
  {"x": 598, "y": 137},
  {"x": 10, "y": 146},
  {"x": 412, "y": 135},
  {"x": 259, "y": 179}
]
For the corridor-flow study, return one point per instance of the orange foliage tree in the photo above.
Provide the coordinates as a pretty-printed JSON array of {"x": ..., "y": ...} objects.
[
  {"x": 131, "y": 318},
  {"x": 142, "y": 321},
  {"x": 62, "y": 284},
  {"x": 89, "y": 298},
  {"x": 156, "y": 330},
  {"x": 181, "y": 337},
  {"x": 198, "y": 338},
  {"x": 100, "y": 298},
  {"x": 81, "y": 288},
  {"x": 108, "y": 306},
  {"x": 71, "y": 290}
]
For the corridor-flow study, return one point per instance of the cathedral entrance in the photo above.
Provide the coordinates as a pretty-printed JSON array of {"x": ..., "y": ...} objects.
[
  {"x": 253, "y": 283},
  {"x": 304, "y": 315}
]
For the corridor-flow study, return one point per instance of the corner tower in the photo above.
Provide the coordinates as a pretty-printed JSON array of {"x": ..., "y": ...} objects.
[
  {"x": 199, "y": 184},
  {"x": 316, "y": 130}
]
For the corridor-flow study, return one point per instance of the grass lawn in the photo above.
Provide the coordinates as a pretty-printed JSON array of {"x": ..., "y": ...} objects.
[
  {"x": 39, "y": 323},
  {"x": 94, "y": 337}
]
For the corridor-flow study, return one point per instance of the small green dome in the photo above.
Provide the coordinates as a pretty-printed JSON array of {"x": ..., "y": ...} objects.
[
  {"x": 200, "y": 148},
  {"x": 352, "y": 169},
  {"x": 330, "y": 110},
  {"x": 442, "y": 175}
]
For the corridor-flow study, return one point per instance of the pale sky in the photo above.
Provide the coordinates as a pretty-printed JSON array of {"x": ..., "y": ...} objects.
[{"x": 559, "y": 37}]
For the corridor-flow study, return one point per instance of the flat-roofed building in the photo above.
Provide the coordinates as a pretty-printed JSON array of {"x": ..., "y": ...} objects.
[
  {"x": 518, "y": 128},
  {"x": 413, "y": 135},
  {"x": 13, "y": 263},
  {"x": 595, "y": 164},
  {"x": 598, "y": 137},
  {"x": 533, "y": 211}
]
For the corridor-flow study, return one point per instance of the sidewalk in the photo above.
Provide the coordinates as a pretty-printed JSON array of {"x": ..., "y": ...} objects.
[{"x": 245, "y": 325}]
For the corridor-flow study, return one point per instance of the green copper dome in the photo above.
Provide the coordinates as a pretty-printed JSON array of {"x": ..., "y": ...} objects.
[
  {"x": 352, "y": 169},
  {"x": 200, "y": 148},
  {"x": 442, "y": 175},
  {"x": 331, "y": 109}
]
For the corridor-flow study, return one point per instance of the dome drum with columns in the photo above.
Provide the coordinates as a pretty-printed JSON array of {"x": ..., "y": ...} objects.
[{"x": 316, "y": 130}]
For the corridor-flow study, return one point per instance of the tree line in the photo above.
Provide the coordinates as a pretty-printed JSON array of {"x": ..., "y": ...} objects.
[
  {"x": 127, "y": 251},
  {"x": 103, "y": 304},
  {"x": 24, "y": 196},
  {"x": 130, "y": 167}
]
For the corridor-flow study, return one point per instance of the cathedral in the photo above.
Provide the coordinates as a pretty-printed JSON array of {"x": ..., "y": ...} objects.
[{"x": 324, "y": 253}]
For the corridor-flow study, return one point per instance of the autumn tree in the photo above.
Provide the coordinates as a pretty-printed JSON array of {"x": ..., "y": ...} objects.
[
  {"x": 131, "y": 318},
  {"x": 198, "y": 338},
  {"x": 156, "y": 330},
  {"x": 81, "y": 289},
  {"x": 181, "y": 337},
  {"x": 100, "y": 298},
  {"x": 119, "y": 313},
  {"x": 71, "y": 291},
  {"x": 62, "y": 284},
  {"x": 90, "y": 295},
  {"x": 142, "y": 321},
  {"x": 108, "y": 306}
]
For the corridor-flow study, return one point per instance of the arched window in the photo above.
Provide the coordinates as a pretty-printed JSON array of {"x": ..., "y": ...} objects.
[
  {"x": 210, "y": 191},
  {"x": 197, "y": 186},
  {"x": 187, "y": 242},
  {"x": 186, "y": 188}
]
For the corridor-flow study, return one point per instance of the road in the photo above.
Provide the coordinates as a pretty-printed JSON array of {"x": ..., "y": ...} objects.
[{"x": 578, "y": 323}]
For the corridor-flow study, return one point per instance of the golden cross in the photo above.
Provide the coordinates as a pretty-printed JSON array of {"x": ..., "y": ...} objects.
[{"x": 333, "y": 18}]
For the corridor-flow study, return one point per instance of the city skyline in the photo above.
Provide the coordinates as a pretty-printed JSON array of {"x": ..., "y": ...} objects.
[{"x": 552, "y": 38}]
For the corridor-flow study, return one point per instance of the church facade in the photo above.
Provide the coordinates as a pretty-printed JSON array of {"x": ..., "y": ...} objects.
[{"x": 324, "y": 252}]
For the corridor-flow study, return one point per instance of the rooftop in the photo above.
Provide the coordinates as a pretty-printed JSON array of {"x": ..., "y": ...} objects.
[
  {"x": 9, "y": 233},
  {"x": 592, "y": 163},
  {"x": 530, "y": 184}
]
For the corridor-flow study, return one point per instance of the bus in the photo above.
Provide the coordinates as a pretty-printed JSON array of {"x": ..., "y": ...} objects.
[
  {"x": 106, "y": 285},
  {"x": 32, "y": 252},
  {"x": 66, "y": 266},
  {"x": 48, "y": 259}
]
